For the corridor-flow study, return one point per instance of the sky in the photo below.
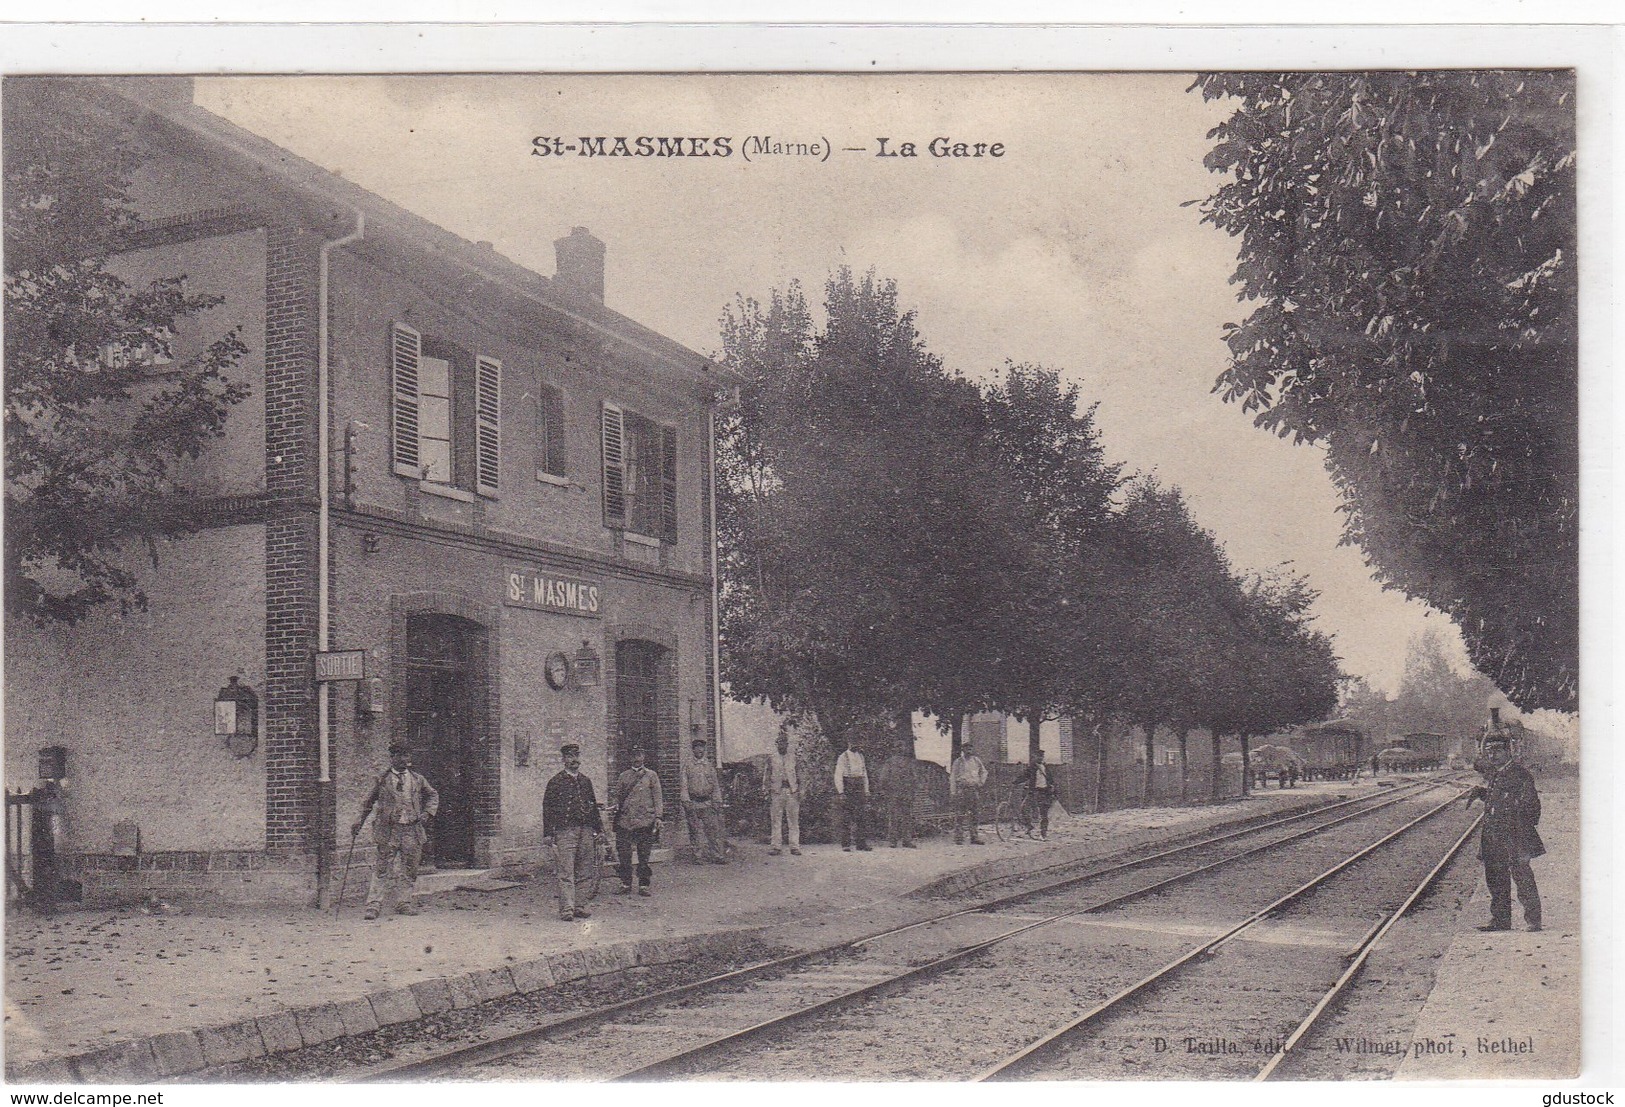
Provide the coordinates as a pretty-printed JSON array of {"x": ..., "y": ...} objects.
[{"x": 1074, "y": 249}]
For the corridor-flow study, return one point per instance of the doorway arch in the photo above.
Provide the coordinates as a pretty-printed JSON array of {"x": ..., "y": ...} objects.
[
  {"x": 645, "y": 708},
  {"x": 443, "y": 703}
]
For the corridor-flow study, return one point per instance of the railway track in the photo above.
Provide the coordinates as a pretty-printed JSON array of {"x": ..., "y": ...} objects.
[
  {"x": 714, "y": 1017},
  {"x": 1256, "y": 1044}
]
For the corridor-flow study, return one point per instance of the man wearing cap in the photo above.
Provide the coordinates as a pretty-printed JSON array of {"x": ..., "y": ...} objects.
[
  {"x": 637, "y": 813},
  {"x": 569, "y": 822},
  {"x": 852, "y": 785},
  {"x": 701, "y": 793},
  {"x": 405, "y": 802},
  {"x": 1508, "y": 840}
]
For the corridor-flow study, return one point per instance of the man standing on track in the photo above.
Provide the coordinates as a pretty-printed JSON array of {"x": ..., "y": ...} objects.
[
  {"x": 637, "y": 813},
  {"x": 1508, "y": 840},
  {"x": 569, "y": 821}
]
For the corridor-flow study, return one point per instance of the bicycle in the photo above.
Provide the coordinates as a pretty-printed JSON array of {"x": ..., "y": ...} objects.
[
  {"x": 603, "y": 852},
  {"x": 603, "y": 857},
  {"x": 1010, "y": 815}
]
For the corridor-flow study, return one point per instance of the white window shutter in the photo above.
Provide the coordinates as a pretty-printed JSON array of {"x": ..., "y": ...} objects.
[
  {"x": 406, "y": 351},
  {"x": 487, "y": 425},
  {"x": 614, "y": 438}
]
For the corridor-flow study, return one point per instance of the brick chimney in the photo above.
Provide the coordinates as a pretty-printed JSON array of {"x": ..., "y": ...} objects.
[{"x": 580, "y": 264}]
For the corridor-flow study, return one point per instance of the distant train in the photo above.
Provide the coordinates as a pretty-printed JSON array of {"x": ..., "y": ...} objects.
[
  {"x": 1431, "y": 750},
  {"x": 1333, "y": 750}
]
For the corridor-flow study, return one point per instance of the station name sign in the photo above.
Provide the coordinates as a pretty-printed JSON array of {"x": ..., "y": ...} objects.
[{"x": 546, "y": 592}]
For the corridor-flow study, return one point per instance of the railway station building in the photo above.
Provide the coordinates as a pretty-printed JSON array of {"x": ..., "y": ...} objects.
[{"x": 464, "y": 505}]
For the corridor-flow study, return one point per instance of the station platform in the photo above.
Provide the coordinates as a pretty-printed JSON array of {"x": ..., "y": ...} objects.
[{"x": 142, "y": 994}]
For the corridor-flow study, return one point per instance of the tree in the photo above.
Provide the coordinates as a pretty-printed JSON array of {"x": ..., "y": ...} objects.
[
  {"x": 1433, "y": 697},
  {"x": 102, "y": 402},
  {"x": 1409, "y": 241},
  {"x": 1285, "y": 672},
  {"x": 1052, "y": 628},
  {"x": 1179, "y": 649},
  {"x": 858, "y": 539}
]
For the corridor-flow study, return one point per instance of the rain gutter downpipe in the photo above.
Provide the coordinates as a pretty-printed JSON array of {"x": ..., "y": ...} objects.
[
  {"x": 716, "y": 625},
  {"x": 324, "y": 483}
]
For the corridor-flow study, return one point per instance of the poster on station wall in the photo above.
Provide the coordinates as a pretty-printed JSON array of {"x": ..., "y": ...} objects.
[{"x": 1215, "y": 408}]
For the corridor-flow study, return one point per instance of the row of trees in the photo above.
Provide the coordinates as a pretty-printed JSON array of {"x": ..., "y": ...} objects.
[{"x": 895, "y": 539}]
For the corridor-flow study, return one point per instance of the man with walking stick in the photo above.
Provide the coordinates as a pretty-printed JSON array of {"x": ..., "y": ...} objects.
[{"x": 405, "y": 802}]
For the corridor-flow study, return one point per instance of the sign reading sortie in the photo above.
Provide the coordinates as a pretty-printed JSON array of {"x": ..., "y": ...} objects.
[{"x": 545, "y": 592}]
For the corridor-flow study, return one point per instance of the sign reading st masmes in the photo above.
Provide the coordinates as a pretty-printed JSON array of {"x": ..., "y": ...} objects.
[{"x": 545, "y": 592}]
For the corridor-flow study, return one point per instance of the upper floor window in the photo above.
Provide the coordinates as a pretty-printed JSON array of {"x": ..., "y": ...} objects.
[
  {"x": 640, "y": 474},
  {"x": 446, "y": 417},
  {"x": 551, "y": 462}
]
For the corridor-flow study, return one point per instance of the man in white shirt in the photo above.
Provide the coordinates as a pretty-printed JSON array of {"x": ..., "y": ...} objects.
[
  {"x": 784, "y": 797},
  {"x": 965, "y": 780},
  {"x": 852, "y": 785}
]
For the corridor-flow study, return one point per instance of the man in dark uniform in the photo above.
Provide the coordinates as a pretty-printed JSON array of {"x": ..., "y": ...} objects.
[
  {"x": 1508, "y": 839},
  {"x": 570, "y": 821}
]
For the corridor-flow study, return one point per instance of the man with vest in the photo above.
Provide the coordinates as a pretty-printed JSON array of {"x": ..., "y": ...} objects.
[
  {"x": 1508, "y": 840},
  {"x": 1040, "y": 794},
  {"x": 852, "y": 785},
  {"x": 701, "y": 794},
  {"x": 570, "y": 822},
  {"x": 405, "y": 801},
  {"x": 966, "y": 777},
  {"x": 637, "y": 814},
  {"x": 783, "y": 798}
]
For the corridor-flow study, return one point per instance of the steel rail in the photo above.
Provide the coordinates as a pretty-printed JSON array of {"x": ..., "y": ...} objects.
[
  {"x": 1024, "y": 1058},
  {"x": 1362, "y": 952},
  {"x": 1388, "y": 799},
  {"x": 507, "y": 1045},
  {"x": 664, "y": 1066}
]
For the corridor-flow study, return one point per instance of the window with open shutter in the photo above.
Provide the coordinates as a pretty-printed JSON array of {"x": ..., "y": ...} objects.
[
  {"x": 487, "y": 425},
  {"x": 406, "y": 352},
  {"x": 614, "y": 451},
  {"x": 668, "y": 484}
]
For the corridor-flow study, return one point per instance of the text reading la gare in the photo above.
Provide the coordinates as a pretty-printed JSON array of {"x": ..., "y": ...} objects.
[{"x": 725, "y": 146}]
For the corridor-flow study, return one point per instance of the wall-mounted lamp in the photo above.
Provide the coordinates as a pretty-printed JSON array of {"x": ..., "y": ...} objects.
[
  {"x": 586, "y": 667},
  {"x": 370, "y": 543},
  {"x": 237, "y": 717},
  {"x": 369, "y": 699}
]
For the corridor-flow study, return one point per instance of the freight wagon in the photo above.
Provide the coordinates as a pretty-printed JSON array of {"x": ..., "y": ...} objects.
[{"x": 1332, "y": 751}]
